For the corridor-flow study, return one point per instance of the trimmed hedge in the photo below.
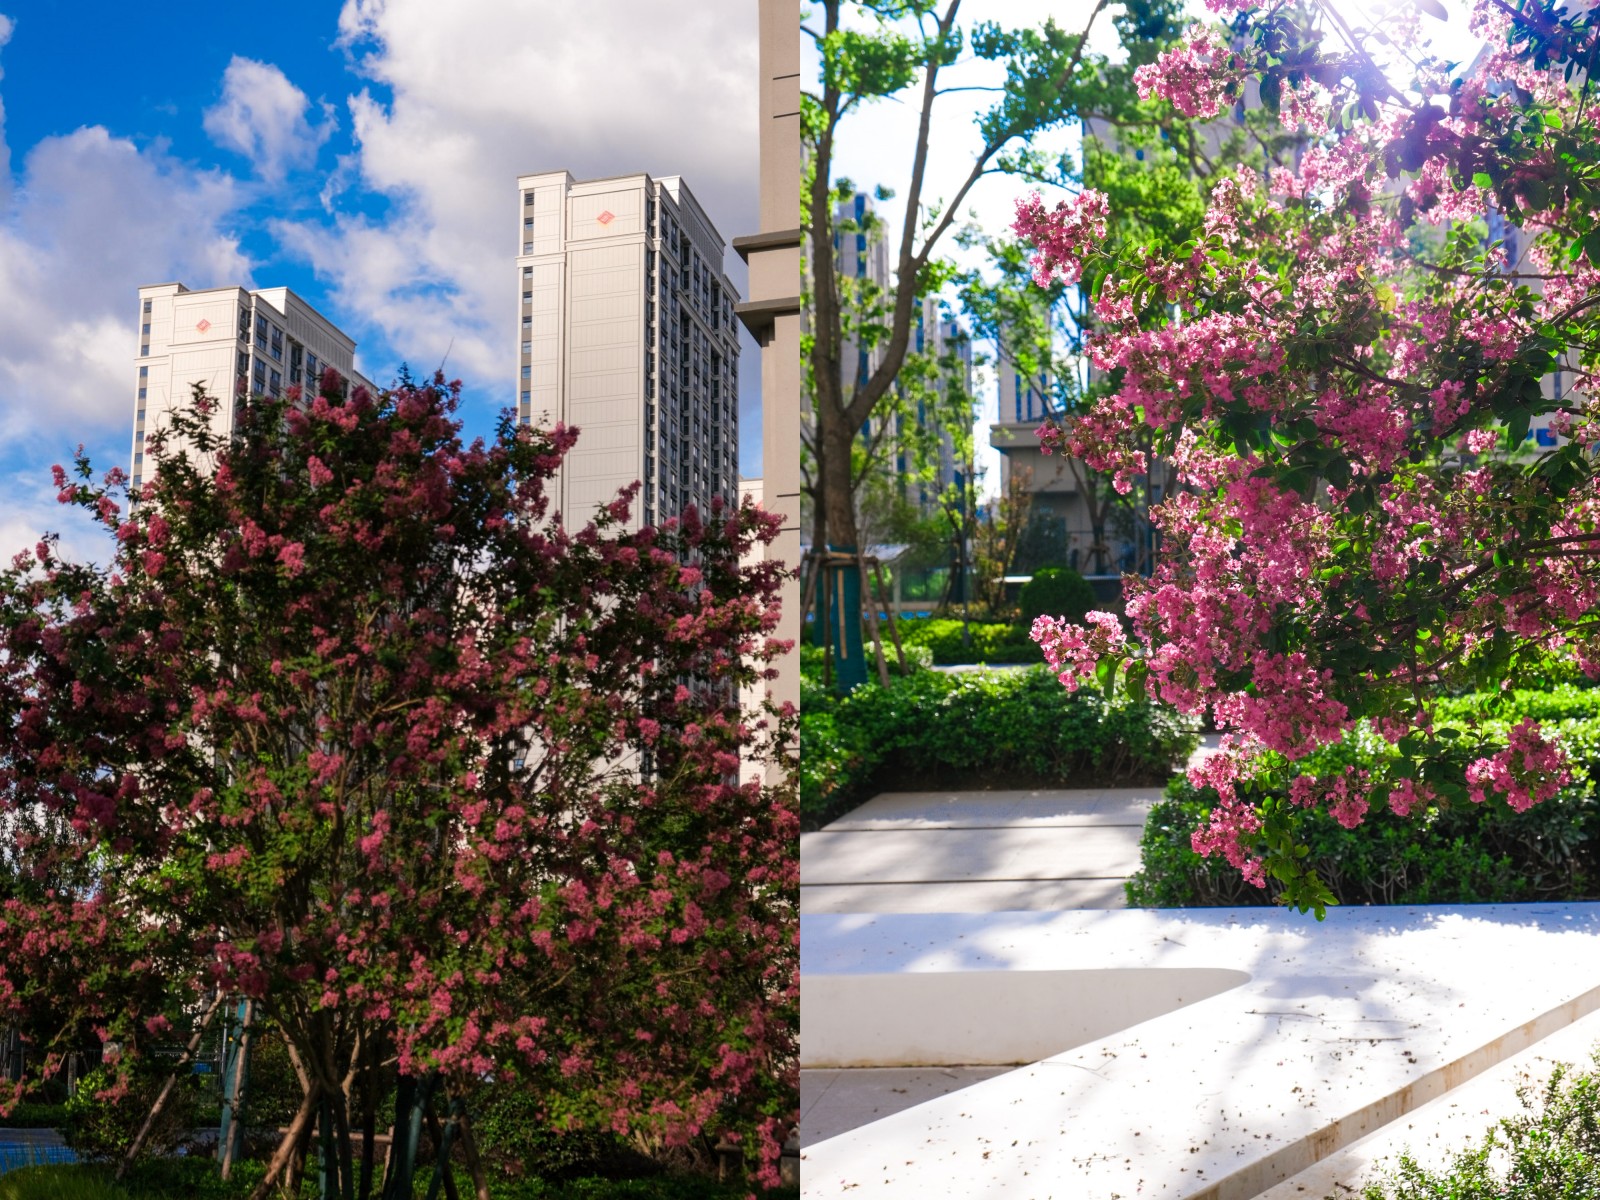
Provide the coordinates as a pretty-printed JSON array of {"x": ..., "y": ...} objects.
[
  {"x": 32, "y": 1114},
  {"x": 991, "y": 642},
  {"x": 1055, "y": 592},
  {"x": 976, "y": 729},
  {"x": 1460, "y": 854}
]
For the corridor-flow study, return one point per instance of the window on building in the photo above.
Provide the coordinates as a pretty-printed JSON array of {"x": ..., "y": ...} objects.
[
  {"x": 526, "y": 395},
  {"x": 141, "y": 396},
  {"x": 527, "y": 297},
  {"x": 527, "y": 347},
  {"x": 146, "y": 307},
  {"x": 527, "y": 371},
  {"x": 139, "y": 416},
  {"x": 527, "y": 272},
  {"x": 144, "y": 349},
  {"x": 527, "y": 198},
  {"x": 527, "y": 247},
  {"x": 275, "y": 383},
  {"x": 527, "y": 321},
  {"x": 144, "y": 372},
  {"x": 277, "y": 343},
  {"x": 144, "y": 330},
  {"x": 311, "y": 367}
]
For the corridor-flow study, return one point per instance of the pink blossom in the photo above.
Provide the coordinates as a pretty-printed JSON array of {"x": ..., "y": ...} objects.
[
  {"x": 1198, "y": 77},
  {"x": 1063, "y": 236}
]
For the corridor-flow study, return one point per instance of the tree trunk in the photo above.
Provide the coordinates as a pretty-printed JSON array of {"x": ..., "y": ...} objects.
[
  {"x": 231, "y": 1142},
  {"x": 369, "y": 1114},
  {"x": 469, "y": 1147},
  {"x": 287, "y": 1147},
  {"x": 160, "y": 1105},
  {"x": 843, "y": 579}
]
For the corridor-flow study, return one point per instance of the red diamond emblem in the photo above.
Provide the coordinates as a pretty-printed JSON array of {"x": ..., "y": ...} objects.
[
  {"x": 606, "y": 217},
  {"x": 202, "y": 325}
]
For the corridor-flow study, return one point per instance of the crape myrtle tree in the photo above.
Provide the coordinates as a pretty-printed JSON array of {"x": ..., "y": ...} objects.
[
  {"x": 351, "y": 727},
  {"x": 1155, "y": 166},
  {"x": 1344, "y": 365}
]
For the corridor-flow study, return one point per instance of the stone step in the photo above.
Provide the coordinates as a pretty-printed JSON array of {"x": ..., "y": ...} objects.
[{"x": 962, "y": 855}]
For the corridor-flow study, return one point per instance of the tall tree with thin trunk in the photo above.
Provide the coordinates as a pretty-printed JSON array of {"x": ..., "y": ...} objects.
[{"x": 883, "y": 48}]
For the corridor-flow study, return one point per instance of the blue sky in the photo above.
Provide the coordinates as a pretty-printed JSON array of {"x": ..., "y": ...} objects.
[{"x": 364, "y": 156}]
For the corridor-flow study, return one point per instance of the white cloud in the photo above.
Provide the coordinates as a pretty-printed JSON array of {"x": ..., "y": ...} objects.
[
  {"x": 92, "y": 218},
  {"x": 466, "y": 96},
  {"x": 262, "y": 116}
]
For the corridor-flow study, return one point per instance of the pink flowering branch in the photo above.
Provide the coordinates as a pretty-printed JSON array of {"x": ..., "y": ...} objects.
[{"x": 1357, "y": 523}]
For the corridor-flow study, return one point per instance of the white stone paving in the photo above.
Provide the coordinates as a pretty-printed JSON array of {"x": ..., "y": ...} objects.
[
  {"x": 1434, "y": 1134},
  {"x": 960, "y": 851},
  {"x": 1338, "y": 1030}
]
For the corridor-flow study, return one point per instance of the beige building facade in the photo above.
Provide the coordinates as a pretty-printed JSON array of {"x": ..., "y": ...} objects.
[
  {"x": 627, "y": 332},
  {"x": 227, "y": 340},
  {"x": 772, "y": 314}
]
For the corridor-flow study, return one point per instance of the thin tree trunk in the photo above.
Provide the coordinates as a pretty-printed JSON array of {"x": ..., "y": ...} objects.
[
  {"x": 160, "y": 1105},
  {"x": 469, "y": 1147},
  {"x": 372, "y": 1047},
  {"x": 889, "y": 603},
  {"x": 241, "y": 1053},
  {"x": 286, "y": 1148},
  {"x": 441, "y": 1159}
]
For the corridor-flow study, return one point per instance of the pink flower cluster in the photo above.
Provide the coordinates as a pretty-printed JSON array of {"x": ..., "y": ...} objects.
[
  {"x": 1074, "y": 650},
  {"x": 1229, "y": 831},
  {"x": 1529, "y": 770},
  {"x": 1198, "y": 77},
  {"x": 1063, "y": 235}
]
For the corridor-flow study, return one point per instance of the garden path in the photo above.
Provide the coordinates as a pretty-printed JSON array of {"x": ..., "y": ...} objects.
[{"x": 974, "y": 851}]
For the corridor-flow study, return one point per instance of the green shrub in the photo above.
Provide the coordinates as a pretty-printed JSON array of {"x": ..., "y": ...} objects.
[
  {"x": 1451, "y": 854},
  {"x": 988, "y": 642},
  {"x": 104, "y": 1129},
  {"x": 516, "y": 1142},
  {"x": 33, "y": 1115},
  {"x": 1459, "y": 855},
  {"x": 979, "y": 728},
  {"x": 1056, "y": 592},
  {"x": 1549, "y": 1151}
]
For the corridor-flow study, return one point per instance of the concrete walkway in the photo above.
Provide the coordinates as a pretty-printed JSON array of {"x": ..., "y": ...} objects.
[
  {"x": 999, "y": 851},
  {"x": 958, "y": 852}
]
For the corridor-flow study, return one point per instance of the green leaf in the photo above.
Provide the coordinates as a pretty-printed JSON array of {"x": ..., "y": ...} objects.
[
  {"x": 1135, "y": 680},
  {"x": 1481, "y": 179},
  {"x": 1105, "y": 673}
]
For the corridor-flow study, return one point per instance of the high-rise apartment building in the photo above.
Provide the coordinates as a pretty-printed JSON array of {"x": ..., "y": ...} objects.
[
  {"x": 220, "y": 338},
  {"x": 627, "y": 332}
]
